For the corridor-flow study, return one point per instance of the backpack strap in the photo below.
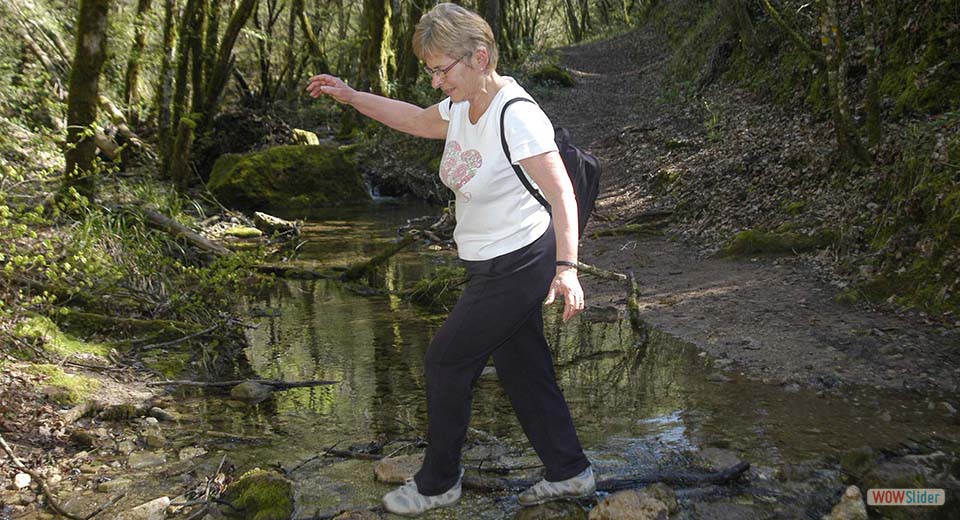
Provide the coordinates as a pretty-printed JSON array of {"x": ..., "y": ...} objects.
[{"x": 506, "y": 151}]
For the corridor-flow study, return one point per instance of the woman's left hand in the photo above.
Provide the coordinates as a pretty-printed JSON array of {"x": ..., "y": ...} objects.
[{"x": 567, "y": 285}]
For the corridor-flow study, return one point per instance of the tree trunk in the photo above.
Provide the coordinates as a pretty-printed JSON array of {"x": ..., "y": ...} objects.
[
  {"x": 180, "y": 84},
  {"x": 210, "y": 48},
  {"x": 289, "y": 52},
  {"x": 848, "y": 144},
  {"x": 872, "y": 53},
  {"x": 572, "y": 21},
  {"x": 221, "y": 71},
  {"x": 492, "y": 15},
  {"x": 375, "y": 52},
  {"x": 317, "y": 60},
  {"x": 196, "y": 56},
  {"x": 84, "y": 96},
  {"x": 584, "y": 17},
  {"x": 131, "y": 93},
  {"x": 165, "y": 81},
  {"x": 407, "y": 65},
  {"x": 180, "y": 171},
  {"x": 739, "y": 20}
]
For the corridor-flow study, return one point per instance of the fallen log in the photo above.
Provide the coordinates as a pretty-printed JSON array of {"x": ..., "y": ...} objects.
[
  {"x": 277, "y": 385},
  {"x": 360, "y": 270},
  {"x": 295, "y": 272},
  {"x": 674, "y": 478},
  {"x": 168, "y": 225}
]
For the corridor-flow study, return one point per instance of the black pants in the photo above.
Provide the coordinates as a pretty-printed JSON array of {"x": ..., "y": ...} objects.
[{"x": 499, "y": 314}]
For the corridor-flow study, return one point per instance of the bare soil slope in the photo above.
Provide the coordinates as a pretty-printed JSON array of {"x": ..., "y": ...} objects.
[{"x": 772, "y": 318}]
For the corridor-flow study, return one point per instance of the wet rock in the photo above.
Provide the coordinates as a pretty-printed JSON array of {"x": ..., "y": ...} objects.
[
  {"x": 126, "y": 447},
  {"x": 263, "y": 495},
  {"x": 357, "y": 515},
  {"x": 301, "y": 136},
  {"x": 243, "y": 232},
  {"x": 559, "y": 510},
  {"x": 152, "y": 510},
  {"x": 115, "y": 485},
  {"x": 488, "y": 372},
  {"x": 191, "y": 452},
  {"x": 644, "y": 504},
  {"x": 21, "y": 480},
  {"x": 27, "y": 498},
  {"x": 251, "y": 392},
  {"x": 154, "y": 439},
  {"x": 270, "y": 224},
  {"x": 851, "y": 506},
  {"x": 727, "y": 511},
  {"x": 163, "y": 415},
  {"x": 145, "y": 459},
  {"x": 151, "y": 421},
  {"x": 395, "y": 470},
  {"x": 89, "y": 469},
  {"x": 717, "y": 459},
  {"x": 487, "y": 452}
]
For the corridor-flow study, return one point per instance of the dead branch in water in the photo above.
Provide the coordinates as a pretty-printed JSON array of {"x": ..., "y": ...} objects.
[{"x": 277, "y": 385}]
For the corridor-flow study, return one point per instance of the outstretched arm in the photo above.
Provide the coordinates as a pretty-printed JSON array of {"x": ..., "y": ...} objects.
[{"x": 399, "y": 115}]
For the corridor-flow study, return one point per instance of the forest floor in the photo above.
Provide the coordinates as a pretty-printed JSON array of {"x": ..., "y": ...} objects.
[{"x": 772, "y": 318}]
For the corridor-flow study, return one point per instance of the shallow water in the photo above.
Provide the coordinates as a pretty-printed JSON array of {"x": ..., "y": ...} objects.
[{"x": 638, "y": 408}]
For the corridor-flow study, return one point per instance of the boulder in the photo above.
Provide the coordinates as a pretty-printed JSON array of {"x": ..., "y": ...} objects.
[
  {"x": 552, "y": 74},
  {"x": 630, "y": 505},
  {"x": 262, "y": 495},
  {"x": 850, "y": 507},
  {"x": 152, "y": 510},
  {"x": 251, "y": 392},
  {"x": 288, "y": 177},
  {"x": 305, "y": 136},
  {"x": 395, "y": 470},
  {"x": 559, "y": 510}
]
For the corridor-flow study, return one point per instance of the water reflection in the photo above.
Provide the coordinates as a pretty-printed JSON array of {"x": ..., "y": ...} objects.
[{"x": 635, "y": 407}]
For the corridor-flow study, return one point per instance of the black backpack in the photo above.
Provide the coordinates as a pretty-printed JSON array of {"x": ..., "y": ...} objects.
[{"x": 582, "y": 167}]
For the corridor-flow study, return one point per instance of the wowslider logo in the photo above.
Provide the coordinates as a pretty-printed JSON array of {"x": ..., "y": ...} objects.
[{"x": 906, "y": 497}]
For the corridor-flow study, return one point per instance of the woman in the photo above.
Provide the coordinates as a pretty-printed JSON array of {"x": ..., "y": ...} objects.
[{"x": 513, "y": 253}]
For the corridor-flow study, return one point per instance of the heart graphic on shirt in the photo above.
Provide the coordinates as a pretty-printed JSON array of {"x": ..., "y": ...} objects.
[{"x": 458, "y": 167}]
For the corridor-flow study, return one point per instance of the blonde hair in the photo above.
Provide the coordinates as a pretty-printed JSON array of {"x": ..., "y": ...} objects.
[{"x": 454, "y": 30}]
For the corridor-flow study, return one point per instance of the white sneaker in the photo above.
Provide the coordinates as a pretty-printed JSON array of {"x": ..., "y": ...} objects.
[
  {"x": 406, "y": 500},
  {"x": 579, "y": 486}
]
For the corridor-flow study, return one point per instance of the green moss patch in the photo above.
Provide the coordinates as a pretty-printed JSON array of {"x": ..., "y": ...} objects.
[
  {"x": 752, "y": 242},
  {"x": 288, "y": 176},
  {"x": 56, "y": 341},
  {"x": 262, "y": 495},
  {"x": 75, "y": 388},
  {"x": 552, "y": 74}
]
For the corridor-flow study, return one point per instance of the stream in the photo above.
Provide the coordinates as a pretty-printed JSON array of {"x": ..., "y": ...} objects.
[{"x": 639, "y": 408}]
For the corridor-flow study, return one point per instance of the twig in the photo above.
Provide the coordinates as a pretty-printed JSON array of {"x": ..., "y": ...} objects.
[
  {"x": 180, "y": 340},
  {"x": 601, "y": 273}
]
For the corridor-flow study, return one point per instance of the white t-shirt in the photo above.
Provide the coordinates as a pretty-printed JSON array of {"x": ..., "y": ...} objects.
[{"x": 495, "y": 212}]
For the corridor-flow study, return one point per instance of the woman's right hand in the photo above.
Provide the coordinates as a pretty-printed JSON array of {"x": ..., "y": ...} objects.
[{"x": 331, "y": 86}]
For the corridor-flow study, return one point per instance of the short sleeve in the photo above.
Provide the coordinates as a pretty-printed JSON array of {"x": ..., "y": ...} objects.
[
  {"x": 444, "y": 107},
  {"x": 528, "y": 131}
]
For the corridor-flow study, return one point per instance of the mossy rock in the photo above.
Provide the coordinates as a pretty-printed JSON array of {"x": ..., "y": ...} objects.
[
  {"x": 289, "y": 177},
  {"x": 752, "y": 242},
  {"x": 262, "y": 495},
  {"x": 551, "y": 74}
]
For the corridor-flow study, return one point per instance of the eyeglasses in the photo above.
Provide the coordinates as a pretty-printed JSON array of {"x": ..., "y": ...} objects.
[{"x": 441, "y": 71}]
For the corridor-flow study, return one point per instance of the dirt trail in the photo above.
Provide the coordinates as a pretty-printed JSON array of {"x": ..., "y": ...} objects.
[{"x": 769, "y": 318}]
